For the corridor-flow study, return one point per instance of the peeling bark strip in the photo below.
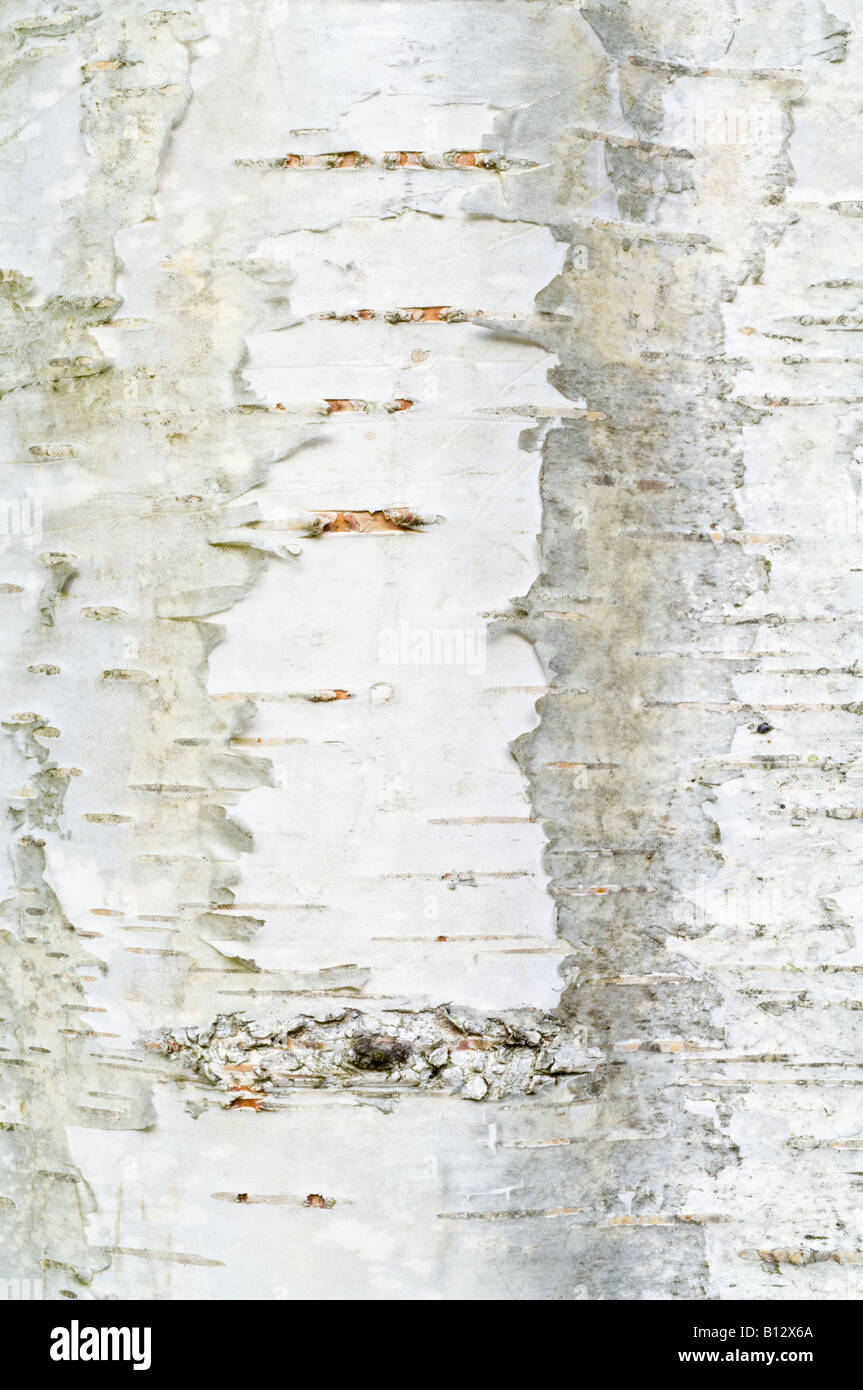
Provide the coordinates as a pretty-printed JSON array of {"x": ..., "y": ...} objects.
[{"x": 455, "y": 274}]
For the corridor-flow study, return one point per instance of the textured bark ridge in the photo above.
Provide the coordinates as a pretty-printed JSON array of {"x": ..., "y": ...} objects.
[
  {"x": 448, "y": 1050},
  {"x": 430, "y": 434}
]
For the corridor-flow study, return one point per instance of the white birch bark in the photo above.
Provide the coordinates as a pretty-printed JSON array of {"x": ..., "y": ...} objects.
[{"x": 430, "y": 686}]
